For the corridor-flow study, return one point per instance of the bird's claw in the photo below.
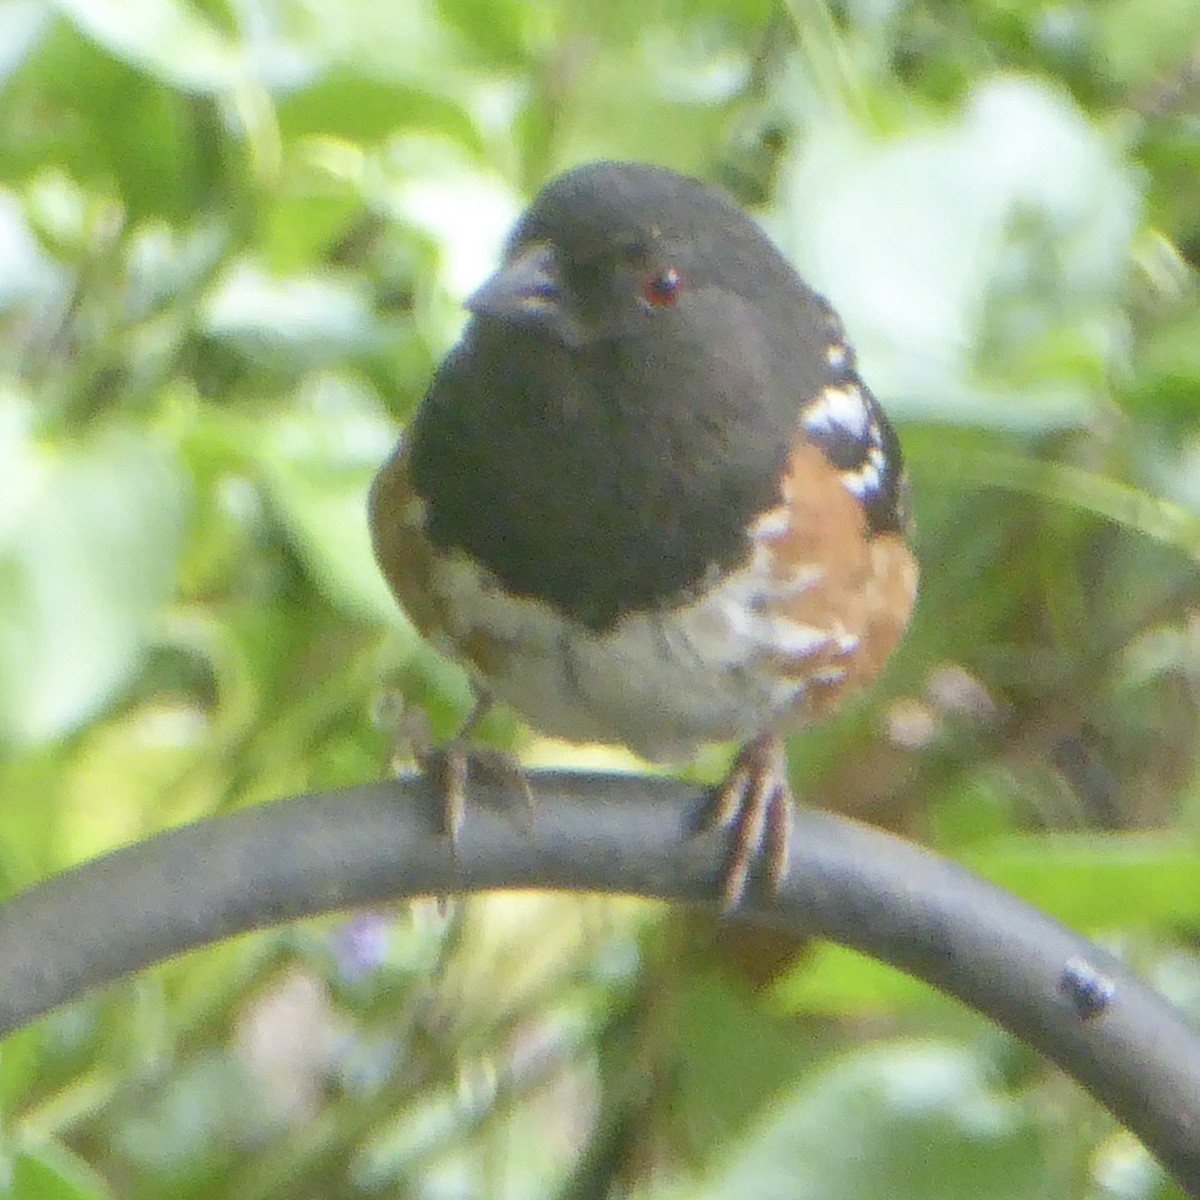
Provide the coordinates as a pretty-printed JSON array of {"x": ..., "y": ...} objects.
[
  {"x": 755, "y": 803},
  {"x": 449, "y": 769}
]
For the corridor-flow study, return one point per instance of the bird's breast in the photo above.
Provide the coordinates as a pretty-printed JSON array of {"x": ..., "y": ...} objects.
[
  {"x": 807, "y": 616},
  {"x": 603, "y": 482}
]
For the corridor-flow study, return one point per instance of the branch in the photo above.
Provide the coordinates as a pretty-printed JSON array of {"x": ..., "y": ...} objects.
[{"x": 849, "y": 883}]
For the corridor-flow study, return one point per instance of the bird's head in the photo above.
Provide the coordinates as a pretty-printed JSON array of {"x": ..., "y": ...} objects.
[{"x": 608, "y": 249}]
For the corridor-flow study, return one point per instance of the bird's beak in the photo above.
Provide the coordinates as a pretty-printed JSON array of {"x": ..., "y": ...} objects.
[
  {"x": 524, "y": 287},
  {"x": 527, "y": 290}
]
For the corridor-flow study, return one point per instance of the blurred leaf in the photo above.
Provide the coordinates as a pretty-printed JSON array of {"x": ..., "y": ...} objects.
[
  {"x": 135, "y": 145},
  {"x": 319, "y": 459},
  {"x": 21, "y": 24},
  {"x": 1166, "y": 386},
  {"x": 905, "y": 1120},
  {"x": 26, "y": 272},
  {"x": 304, "y": 321},
  {"x": 51, "y": 1172},
  {"x": 836, "y": 980},
  {"x": 208, "y": 1105},
  {"x": 733, "y": 1058},
  {"x": 436, "y": 187},
  {"x": 347, "y": 104},
  {"x": 1137, "y": 42},
  {"x": 1110, "y": 499},
  {"x": 143, "y": 761},
  {"x": 169, "y": 39},
  {"x": 1096, "y": 881},
  {"x": 89, "y": 539},
  {"x": 667, "y": 93},
  {"x": 496, "y": 31},
  {"x": 976, "y": 263}
]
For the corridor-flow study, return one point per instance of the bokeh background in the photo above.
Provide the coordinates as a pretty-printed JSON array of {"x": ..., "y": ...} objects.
[{"x": 234, "y": 238}]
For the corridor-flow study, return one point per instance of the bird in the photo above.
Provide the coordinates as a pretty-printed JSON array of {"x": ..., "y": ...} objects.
[{"x": 647, "y": 499}]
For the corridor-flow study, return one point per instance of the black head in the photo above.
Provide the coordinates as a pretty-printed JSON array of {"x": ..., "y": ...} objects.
[{"x": 610, "y": 248}]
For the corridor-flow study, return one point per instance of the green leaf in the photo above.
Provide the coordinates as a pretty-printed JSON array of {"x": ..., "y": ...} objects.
[
  {"x": 52, "y": 1172},
  {"x": 348, "y": 105},
  {"x": 837, "y": 981},
  {"x": 978, "y": 263},
  {"x": 90, "y": 535},
  {"x": 905, "y": 1120},
  {"x": 303, "y": 321},
  {"x": 22, "y": 23},
  {"x": 1098, "y": 881},
  {"x": 1110, "y": 499},
  {"x": 168, "y": 39},
  {"x": 26, "y": 273},
  {"x": 318, "y": 461}
]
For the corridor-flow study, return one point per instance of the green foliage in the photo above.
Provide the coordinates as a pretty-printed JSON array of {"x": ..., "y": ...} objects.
[
  {"x": 233, "y": 242},
  {"x": 53, "y": 1173},
  {"x": 927, "y": 1121}
]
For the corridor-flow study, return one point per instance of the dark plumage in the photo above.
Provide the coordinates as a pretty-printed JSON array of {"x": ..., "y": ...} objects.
[{"x": 651, "y": 452}]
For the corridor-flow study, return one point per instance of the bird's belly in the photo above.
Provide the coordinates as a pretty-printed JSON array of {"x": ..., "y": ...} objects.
[{"x": 726, "y": 666}]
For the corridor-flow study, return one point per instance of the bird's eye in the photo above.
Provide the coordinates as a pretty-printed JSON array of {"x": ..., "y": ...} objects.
[{"x": 663, "y": 287}]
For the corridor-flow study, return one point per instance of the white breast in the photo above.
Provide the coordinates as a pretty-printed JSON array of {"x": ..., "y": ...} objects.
[{"x": 661, "y": 684}]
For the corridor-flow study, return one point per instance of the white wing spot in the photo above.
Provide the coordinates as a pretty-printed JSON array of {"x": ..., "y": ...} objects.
[
  {"x": 841, "y": 408},
  {"x": 867, "y": 478},
  {"x": 858, "y": 484}
]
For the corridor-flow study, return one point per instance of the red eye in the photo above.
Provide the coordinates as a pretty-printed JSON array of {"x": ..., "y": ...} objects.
[{"x": 663, "y": 288}]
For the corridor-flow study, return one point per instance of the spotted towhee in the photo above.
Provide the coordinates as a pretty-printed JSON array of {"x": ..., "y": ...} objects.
[{"x": 647, "y": 498}]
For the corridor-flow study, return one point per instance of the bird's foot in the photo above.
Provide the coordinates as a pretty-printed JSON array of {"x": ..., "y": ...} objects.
[
  {"x": 449, "y": 768},
  {"x": 755, "y": 802}
]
